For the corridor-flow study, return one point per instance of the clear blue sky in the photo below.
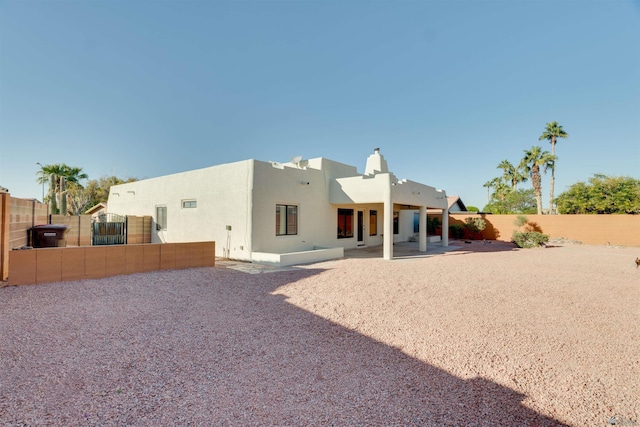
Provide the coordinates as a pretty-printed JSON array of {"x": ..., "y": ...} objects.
[{"x": 446, "y": 89}]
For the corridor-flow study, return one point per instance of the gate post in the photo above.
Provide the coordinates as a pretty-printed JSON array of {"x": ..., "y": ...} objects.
[{"x": 5, "y": 219}]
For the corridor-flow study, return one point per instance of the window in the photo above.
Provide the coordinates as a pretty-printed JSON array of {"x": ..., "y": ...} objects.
[
  {"x": 345, "y": 223},
  {"x": 189, "y": 204},
  {"x": 161, "y": 217},
  {"x": 416, "y": 222},
  {"x": 396, "y": 219},
  {"x": 286, "y": 220},
  {"x": 373, "y": 223}
]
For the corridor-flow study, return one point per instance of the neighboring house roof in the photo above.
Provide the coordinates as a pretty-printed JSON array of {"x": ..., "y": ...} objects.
[
  {"x": 455, "y": 204},
  {"x": 96, "y": 208}
]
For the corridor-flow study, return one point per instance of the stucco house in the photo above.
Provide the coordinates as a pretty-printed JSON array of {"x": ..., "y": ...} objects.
[{"x": 282, "y": 213}]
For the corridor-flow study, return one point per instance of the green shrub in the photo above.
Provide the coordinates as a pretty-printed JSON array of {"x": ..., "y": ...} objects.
[
  {"x": 529, "y": 239},
  {"x": 433, "y": 224},
  {"x": 474, "y": 226},
  {"x": 456, "y": 231},
  {"x": 520, "y": 221}
]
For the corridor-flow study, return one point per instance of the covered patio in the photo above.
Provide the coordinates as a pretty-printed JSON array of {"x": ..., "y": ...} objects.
[{"x": 379, "y": 186}]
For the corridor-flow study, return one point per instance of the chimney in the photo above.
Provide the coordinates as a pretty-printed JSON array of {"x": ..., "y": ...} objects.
[{"x": 376, "y": 163}]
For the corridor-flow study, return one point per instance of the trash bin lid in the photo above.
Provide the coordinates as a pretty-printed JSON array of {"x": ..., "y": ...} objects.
[{"x": 52, "y": 226}]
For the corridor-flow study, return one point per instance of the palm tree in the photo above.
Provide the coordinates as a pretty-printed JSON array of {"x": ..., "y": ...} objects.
[
  {"x": 502, "y": 189},
  {"x": 533, "y": 160},
  {"x": 489, "y": 185},
  {"x": 511, "y": 174},
  {"x": 552, "y": 132},
  {"x": 58, "y": 175}
]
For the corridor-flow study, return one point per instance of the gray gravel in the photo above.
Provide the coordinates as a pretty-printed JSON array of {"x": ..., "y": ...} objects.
[{"x": 486, "y": 335}]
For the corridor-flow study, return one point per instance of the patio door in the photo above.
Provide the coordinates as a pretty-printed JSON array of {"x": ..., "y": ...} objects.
[{"x": 360, "y": 229}]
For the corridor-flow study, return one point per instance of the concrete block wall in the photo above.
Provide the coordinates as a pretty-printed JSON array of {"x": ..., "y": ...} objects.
[
  {"x": 79, "y": 228},
  {"x": 35, "y": 266},
  {"x": 589, "y": 229},
  {"x": 24, "y": 214}
]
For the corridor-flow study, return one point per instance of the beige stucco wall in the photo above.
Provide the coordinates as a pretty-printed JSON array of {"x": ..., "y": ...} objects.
[
  {"x": 244, "y": 195},
  {"x": 317, "y": 218},
  {"x": 223, "y": 195}
]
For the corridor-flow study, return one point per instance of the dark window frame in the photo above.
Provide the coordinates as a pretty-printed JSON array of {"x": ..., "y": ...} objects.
[
  {"x": 345, "y": 223},
  {"x": 189, "y": 204},
  {"x": 373, "y": 223},
  {"x": 291, "y": 213}
]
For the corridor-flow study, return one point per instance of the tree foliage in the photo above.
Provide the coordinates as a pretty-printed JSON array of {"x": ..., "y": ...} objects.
[
  {"x": 67, "y": 192},
  {"x": 97, "y": 191},
  {"x": 515, "y": 202},
  {"x": 601, "y": 195}
]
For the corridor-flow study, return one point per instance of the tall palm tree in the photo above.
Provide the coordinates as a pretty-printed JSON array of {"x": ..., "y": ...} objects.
[
  {"x": 533, "y": 161},
  {"x": 552, "y": 132},
  {"x": 489, "y": 185},
  {"x": 511, "y": 174},
  {"x": 58, "y": 175}
]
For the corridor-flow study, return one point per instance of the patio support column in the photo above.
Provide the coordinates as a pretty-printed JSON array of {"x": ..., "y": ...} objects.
[
  {"x": 387, "y": 243},
  {"x": 422, "y": 230},
  {"x": 445, "y": 227}
]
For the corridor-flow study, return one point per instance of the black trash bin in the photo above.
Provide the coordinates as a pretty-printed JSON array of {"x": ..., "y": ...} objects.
[{"x": 49, "y": 235}]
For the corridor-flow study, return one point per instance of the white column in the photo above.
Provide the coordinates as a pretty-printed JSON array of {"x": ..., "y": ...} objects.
[
  {"x": 422, "y": 230},
  {"x": 387, "y": 243},
  {"x": 445, "y": 227}
]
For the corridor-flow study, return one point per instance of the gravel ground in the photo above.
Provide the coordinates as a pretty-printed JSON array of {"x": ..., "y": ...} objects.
[{"x": 486, "y": 335}]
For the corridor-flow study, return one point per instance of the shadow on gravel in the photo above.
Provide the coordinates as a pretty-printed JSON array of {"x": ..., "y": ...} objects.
[{"x": 220, "y": 349}]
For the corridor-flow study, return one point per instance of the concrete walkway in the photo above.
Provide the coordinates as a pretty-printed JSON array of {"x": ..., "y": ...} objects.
[{"x": 404, "y": 250}]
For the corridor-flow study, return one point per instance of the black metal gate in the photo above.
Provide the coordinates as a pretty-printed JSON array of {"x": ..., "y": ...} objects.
[{"x": 109, "y": 229}]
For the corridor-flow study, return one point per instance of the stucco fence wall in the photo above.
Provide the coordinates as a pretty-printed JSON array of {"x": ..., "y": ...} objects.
[
  {"x": 34, "y": 266},
  {"x": 588, "y": 229}
]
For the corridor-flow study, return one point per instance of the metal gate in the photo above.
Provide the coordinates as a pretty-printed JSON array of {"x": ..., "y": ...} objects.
[{"x": 109, "y": 229}]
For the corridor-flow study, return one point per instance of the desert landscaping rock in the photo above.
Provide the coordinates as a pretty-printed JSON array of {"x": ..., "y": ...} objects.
[{"x": 484, "y": 335}]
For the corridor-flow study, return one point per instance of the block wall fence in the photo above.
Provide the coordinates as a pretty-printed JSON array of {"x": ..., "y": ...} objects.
[
  {"x": 589, "y": 229},
  {"x": 35, "y": 266},
  {"x": 23, "y": 215},
  {"x": 81, "y": 260}
]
